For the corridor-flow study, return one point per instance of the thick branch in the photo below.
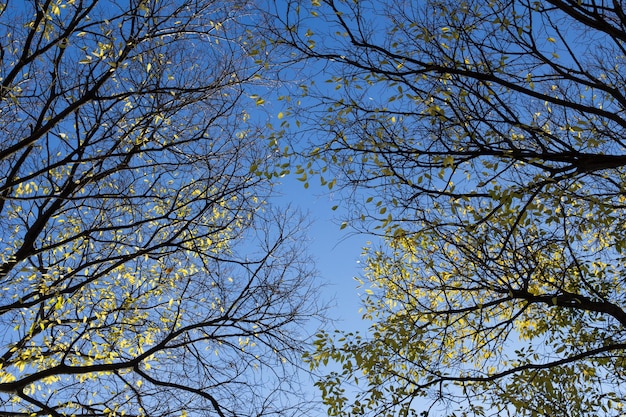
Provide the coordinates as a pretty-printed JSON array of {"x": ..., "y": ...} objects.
[{"x": 575, "y": 301}]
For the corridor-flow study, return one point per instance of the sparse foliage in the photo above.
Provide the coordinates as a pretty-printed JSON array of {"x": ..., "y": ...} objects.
[{"x": 485, "y": 142}]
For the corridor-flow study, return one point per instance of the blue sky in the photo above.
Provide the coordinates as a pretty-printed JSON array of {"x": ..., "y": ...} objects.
[{"x": 337, "y": 252}]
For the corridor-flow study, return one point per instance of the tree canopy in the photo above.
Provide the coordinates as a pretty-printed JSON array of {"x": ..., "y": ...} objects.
[
  {"x": 485, "y": 142},
  {"x": 142, "y": 272}
]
